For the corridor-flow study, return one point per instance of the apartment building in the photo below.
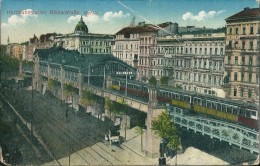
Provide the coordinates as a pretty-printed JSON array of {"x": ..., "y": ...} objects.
[
  {"x": 242, "y": 55},
  {"x": 194, "y": 61}
]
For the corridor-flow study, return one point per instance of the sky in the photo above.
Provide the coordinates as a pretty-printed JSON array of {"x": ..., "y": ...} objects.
[{"x": 21, "y": 19}]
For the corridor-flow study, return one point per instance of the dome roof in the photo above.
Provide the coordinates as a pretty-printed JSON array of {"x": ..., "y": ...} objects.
[{"x": 81, "y": 27}]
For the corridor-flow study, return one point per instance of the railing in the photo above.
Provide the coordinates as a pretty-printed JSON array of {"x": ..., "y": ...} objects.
[{"x": 224, "y": 131}]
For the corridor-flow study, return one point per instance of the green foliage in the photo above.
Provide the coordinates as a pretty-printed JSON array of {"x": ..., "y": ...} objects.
[
  {"x": 108, "y": 103},
  {"x": 152, "y": 80},
  {"x": 88, "y": 98},
  {"x": 53, "y": 83},
  {"x": 164, "y": 80},
  {"x": 139, "y": 130},
  {"x": 69, "y": 89},
  {"x": 9, "y": 63},
  {"x": 165, "y": 128},
  {"x": 119, "y": 107}
]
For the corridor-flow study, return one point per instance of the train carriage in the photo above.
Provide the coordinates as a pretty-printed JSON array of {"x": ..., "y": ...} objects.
[{"x": 234, "y": 111}]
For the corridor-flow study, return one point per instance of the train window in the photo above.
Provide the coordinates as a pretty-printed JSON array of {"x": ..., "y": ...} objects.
[
  {"x": 248, "y": 113},
  {"x": 199, "y": 101},
  {"x": 204, "y": 103},
  {"x": 188, "y": 99},
  {"x": 213, "y": 105},
  {"x": 242, "y": 112},
  {"x": 195, "y": 101},
  {"x": 229, "y": 109},
  {"x": 235, "y": 110},
  {"x": 209, "y": 104},
  {"x": 177, "y": 96},
  {"x": 219, "y": 107},
  {"x": 253, "y": 113},
  {"x": 224, "y": 108}
]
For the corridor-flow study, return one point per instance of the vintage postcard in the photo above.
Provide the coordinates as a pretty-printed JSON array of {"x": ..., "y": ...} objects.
[{"x": 129, "y": 82}]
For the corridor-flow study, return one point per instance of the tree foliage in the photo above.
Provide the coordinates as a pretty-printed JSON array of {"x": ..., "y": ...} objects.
[
  {"x": 118, "y": 108},
  {"x": 164, "y": 80},
  {"x": 69, "y": 89},
  {"x": 165, "y": 128},
  {"x": 152, "y": 80}
]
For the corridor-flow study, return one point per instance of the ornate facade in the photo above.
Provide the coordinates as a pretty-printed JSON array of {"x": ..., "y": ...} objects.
[
  {"x": 85, "y": 42},
  {"x": 193, "y": 62},
  {"x": 242, "y": 55}
]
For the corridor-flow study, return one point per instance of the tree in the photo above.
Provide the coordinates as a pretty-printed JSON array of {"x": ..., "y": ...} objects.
[
  {"x": 152, "y": 80},
  {"x": 139, "y": 130},
  {"x": 164, "y": 80},
  {"x": 165, "y": 128}
]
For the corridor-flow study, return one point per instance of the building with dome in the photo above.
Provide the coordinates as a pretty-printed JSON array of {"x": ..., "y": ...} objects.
[{"x": 85, "y": 42}]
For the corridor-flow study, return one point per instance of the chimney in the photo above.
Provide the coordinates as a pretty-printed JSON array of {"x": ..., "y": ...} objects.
[{"x": 246, "y": 8}]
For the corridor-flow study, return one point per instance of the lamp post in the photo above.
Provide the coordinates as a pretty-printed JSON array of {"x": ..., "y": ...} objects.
[
  {"x": 89, "y": 66},
  {"x": 126, "y": 82},
  {"x": 104, "y": 82}
]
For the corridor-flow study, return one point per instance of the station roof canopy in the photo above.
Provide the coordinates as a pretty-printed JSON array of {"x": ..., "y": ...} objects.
[{"x": 72, "y": 58}]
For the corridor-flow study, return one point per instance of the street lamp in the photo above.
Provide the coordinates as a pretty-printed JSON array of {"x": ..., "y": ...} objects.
[
  {"x": 126, "y": 82},
  {"x": 89, "y": 66},
  {"x": 104, "y": 82}
]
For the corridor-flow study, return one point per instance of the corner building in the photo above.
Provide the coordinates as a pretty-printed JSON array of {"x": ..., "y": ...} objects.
[{"x": 242, "y": 55}]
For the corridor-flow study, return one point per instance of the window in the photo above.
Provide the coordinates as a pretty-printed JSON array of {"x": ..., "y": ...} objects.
[
  {"x": 251, "y": 45},
  {"x": 229, "y": 60},
  {"x": 236, "y": 44},
  {"x": 235, "y": 76},
  {"x": 195, "y": 50},
  {"x": 220, "y": 65},
  {"x": 236, "y": 60},
  {"x": 251, "y": 30},
  {"x": 243, "y": 45},
  {"x": 249, "y": 93},
  {"x": 205, "y": 51},
  {"x": 230, "y": 44},
  {"x": 250, "y": 77},
  {"x": 236, "y": 31},
  {"x": 235, "y": 91},
  {"x": 216, "y": 51},
  {"x": 205, "y": 64},
  {"x": 243, "y": 60},
  {"x": 200, "y": 51},
  {"x": 230, "y": 31},
  {"x": 221, "y": 51},
  {"x": 250, "y": 61},
  {"x": 244, "y": 30},
  {"x": 190, "y": 50},
  {"x": 186, "y": 50},
  {"x": 242, "y": 77},
  {"x": 195, "y": 63},
  {"x": 210, "y": 51},
  {"x": 241, "y": 92}
]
